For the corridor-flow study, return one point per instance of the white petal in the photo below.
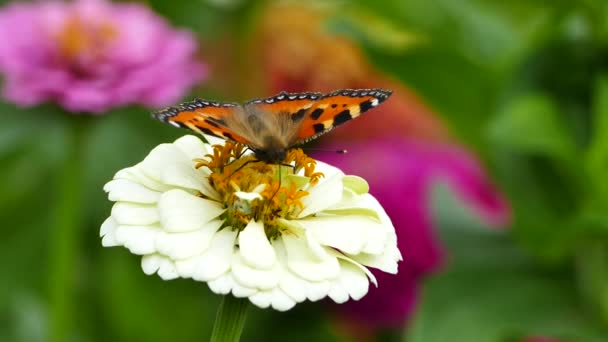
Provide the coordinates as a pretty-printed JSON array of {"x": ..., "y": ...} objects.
[
  {"x": 327, "y": 170},
  {"x": 386, "y": 262},
  {"x": 338, "y": 293},
  {"x": 352, "y": 283},
  {"x": 222, "y": 285},
  {"x": 156, "y": 161},
  {"x": 167, "y": 164},
  {"x": 302, "y": 262},
  {"x": 353, "y": 204},
  {"x": 281, "y": 302},
  {"x": 322, "y": 196},
  {"x": 135, "y": 214},
  {"x": 292, "y": 285},
  {"x": 261, "y": 299},
  {"x": 185, "y": 245},
  {"x": 217, "y": 259},
  {"x": 315, "y": 247},
  {"x": 248, "y": 196},
  {"x": 129, "y": 191},
  {"x": 214, "y": 140},
  {"x": 345, "y": 259},
  {"x": 255, "y": 247},
  {"x": 186, "y": 267},
  {"x": 350, "y": 234},
  {"x": 184, "y": 175},
  {"x": 255, "y": 278},
  {"x": 108, "y": 227},
  {"x": 370, "y": 201},
  {"x": 135, "y": 175},
  {"x": 295, "y": 287},
  {"x": 317, "y": 290},
  {"x": 167, "y": 271},
  {"x": 275, "y": 298},
  {"x": 155, "y": 263},
  {"x": 181, "y": 211},
  {"x": 192, "y": 146},
  {"x": 138, "y": 239},
  {"x": 151, "y": 263},
  {"x": 356, "y": 184},
  {"x": 241, "y": 291}
]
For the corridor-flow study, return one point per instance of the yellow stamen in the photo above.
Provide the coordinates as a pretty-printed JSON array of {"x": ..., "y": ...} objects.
[
  {"x": 79, "y": 37},
  {"x": 280, "y": 197}
]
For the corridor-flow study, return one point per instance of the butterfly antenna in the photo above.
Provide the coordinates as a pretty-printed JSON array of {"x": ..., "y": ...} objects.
[{"x": 327, "y": 150}]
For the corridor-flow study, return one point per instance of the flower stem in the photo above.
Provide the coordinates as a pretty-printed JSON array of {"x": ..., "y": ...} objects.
[
  {"x": 67, "y": 216},
  {"x": 230, "y": 319},
  {"x": 592, "y": 273}
]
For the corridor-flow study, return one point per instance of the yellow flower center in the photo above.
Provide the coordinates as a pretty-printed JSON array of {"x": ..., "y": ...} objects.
[
  {"x": 78, "y": 38},
  {"x": 273, "y": 191}
]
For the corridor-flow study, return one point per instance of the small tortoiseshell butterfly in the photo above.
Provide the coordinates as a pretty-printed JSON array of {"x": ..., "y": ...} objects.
[{"x": 271, "y": 126}]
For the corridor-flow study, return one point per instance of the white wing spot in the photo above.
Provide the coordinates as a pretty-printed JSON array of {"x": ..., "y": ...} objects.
[
  {"x": 280, "y": 97},
  {"x": 292, "y": 97},
  {"x": 173, "y": 123},
  {"x": 374, "y": 102},
  {"x": 269, "y": 100}
]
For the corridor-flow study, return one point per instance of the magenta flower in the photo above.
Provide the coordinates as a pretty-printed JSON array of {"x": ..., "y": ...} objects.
[
  {"x": 92, "y": 55},
  {"x": 400, "y": 174}
]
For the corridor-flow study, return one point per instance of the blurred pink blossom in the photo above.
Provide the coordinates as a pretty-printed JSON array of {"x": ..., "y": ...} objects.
[
  {"x": 401, "y": 173},
  {"x": 93, "y": 55}
]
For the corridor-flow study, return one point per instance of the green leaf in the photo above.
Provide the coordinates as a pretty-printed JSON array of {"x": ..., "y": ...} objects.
[
  {"x": 372, "y": 30},
  {"x": 592, "y": 272},
  {"x": 531, "y": 124},
  {"x": 137, "y": 307},
  {"x": 544, "y": 203},
  {"x": 492, "y": 291},
  {"x": 596, "y": 158},
  {"x": 493, "y": 305}
]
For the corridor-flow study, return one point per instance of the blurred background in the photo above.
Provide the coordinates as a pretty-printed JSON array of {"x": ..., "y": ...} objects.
[{"x": 491, "y": 158}]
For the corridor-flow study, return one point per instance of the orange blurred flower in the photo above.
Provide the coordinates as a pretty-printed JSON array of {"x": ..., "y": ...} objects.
[{"x": 300, "y": 53}]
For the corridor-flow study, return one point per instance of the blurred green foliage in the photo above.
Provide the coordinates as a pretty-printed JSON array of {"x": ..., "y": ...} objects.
[{"x": 523, "y": 83}]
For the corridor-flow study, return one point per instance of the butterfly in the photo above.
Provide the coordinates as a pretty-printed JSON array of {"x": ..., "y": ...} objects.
[{"x": 271, "y": 126}]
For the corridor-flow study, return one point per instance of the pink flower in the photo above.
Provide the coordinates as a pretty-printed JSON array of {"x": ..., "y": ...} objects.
[
  {"x": 92, "y": 55},
  {"x": 400, "y": 173}
]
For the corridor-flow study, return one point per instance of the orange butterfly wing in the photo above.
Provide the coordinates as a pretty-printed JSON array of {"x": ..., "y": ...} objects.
[
  {"x": 336, "y": 108},
  {"x": 286, "y": 103},
  {"x": 314, "y": 114},
  {"x": 288, "y": 119},
  {"x": 203, "y": 117}
]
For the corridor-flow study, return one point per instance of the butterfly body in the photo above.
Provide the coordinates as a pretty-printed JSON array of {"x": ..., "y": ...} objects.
[{"x": 273, "y": 125}]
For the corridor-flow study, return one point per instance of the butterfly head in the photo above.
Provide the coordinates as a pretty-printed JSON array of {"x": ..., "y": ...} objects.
[{"x": 271, "y": 155}]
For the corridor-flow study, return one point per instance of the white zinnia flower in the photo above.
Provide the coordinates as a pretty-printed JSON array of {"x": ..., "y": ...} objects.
[{"x": 197, "y": 211}]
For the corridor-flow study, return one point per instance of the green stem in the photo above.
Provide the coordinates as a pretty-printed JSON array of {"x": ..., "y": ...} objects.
[
  {"x": 230, "y": 319},
  {"x": 65, "y": 230},
  {"x": 592, "y": 274}
]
